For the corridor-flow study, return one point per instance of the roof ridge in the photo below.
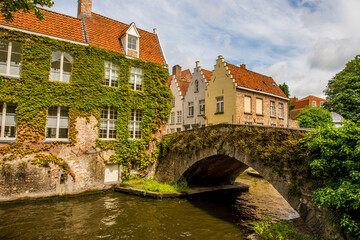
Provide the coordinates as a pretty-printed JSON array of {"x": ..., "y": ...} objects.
[
  {"x": 121, "y": 22},
  {"x": 47, "y": 10},
  {"x": 248, "y": 70}
]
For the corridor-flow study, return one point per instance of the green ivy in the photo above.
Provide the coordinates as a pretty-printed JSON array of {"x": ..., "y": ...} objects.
[{"x": 84, "y": 95}]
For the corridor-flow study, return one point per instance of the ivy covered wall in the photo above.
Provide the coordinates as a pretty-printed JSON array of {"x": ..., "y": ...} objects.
[{"x": 85, "y": 95}]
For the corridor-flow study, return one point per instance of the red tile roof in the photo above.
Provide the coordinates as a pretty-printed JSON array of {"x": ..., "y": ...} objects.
[
  {"x": 105, "y": 32},
  {"x": 54, "y": 24},
  {"x": 306, "y": 101},
  {"x": 99, "y": 30},
  {"x": 207, "y": 74},
  {"x": 249, "y": 79},
  {"x": 183, "y": 82}
]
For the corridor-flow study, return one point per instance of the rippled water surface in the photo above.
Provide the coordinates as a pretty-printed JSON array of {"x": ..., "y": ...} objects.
[{"x": 120, "y": 216}]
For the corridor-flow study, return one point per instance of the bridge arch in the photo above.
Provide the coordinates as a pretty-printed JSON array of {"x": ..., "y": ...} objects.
[{"x": 223, "y": 162}]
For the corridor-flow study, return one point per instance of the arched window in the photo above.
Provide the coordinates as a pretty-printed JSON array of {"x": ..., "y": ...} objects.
[{"x": 196, "y": 85}]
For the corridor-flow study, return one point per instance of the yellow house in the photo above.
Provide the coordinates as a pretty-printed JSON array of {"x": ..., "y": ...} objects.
[{"x": 240, "y": 96}]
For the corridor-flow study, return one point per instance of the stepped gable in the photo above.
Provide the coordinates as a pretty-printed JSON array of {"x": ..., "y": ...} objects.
[
  {"x": 54, "y": 24},
  {"x": 249, "y": 79}
]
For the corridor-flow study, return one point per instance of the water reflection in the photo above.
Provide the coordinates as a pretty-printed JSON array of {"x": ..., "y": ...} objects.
[{"x": 120, "y": 216}]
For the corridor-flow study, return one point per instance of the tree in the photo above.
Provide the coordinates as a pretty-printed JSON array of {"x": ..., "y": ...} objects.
[
  {"x": 343, "y": 91},
  {"x": 8, "y": 7},
  {"x": 334, "y": 154},
  {"x": 313, "y": 117},
  {"x": 285, "y": 88}
]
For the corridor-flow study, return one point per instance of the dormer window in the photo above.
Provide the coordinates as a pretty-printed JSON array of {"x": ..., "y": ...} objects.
[{"x": 132, "y": 43}]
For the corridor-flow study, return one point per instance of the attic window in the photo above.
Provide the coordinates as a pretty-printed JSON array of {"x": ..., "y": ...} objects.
[{"x": 132, "y": 43}]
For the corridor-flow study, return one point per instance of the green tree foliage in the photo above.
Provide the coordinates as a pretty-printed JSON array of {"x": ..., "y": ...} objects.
[
  {"x": 8, "y": 7},
  {"x": 343, "y": 91},
  {"x": 313, "y": 117},
  {"x": 285, "y": 88},
  {"x": 335, "y": 155}
]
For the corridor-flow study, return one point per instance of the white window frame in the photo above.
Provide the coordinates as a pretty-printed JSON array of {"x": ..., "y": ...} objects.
[
  {"x": 220, "y": 104},
  {"x": 191, "y": 109},
  {"x": 178, "y": 117},
  {"x": 8, "y": 60},
  {"x": 172, "y": 118},
  {"x": 61, "y": 67},
  {"x": 202, "y": 107},
  {"x": 322, "y": 103},
  {"x": 272, "y": 109},
  {"x": 132, "y": 124},
  {"x": 112, "y": 68},
  {"x": 3, "y": 123},
  {"x": 130, "y": 44},
  {"x": 108, "y": 121},
  {"x": 313, "y": 104},
  {"x": 136, "y": 78},
  {"x": 281, "y": 110},
  {"x": 57, "y": 126}
]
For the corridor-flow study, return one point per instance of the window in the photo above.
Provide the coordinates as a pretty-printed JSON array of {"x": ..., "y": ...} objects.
[
  {"x": 201, "y": 107},
  {"x": 132, "y": 43},
  {"x": 281, "y": 110},
  {"x": 61, "y": 66},
  {"x": 57, "y": 125},
  {"x": 111, "y": 74},
  {"x": 135, "y": 124},
  {"x": 248, "y": 123},
  {"x": 179, "y": 117},
  {"x": 314, "y": 103},
  {"x": 172, "y": 118},
  {"x": 10, "y": 57},
  {"x": 173, "y": 102},
  {"x": 136, "y": 78},
  {"x": 191, "y": 108},
  {"x": 196, "y": 85},
  {"x": 272, "y": 109},
  {"x": 321, "y": 104},
  {"x": 134, "y": 166},
  {"x": 259, "y": 106},
  {"x": 273, "y": 124},
  {"x": 247, "y": 104},
  {"x": 8, "y": 121},
  {"x": 108, "y": 123},
  {"x": 219, "y": 104},
  {"x": 178, "y": 130}
]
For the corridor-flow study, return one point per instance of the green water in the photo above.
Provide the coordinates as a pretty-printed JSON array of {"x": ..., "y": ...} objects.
[{"x": 119, "y": 216}]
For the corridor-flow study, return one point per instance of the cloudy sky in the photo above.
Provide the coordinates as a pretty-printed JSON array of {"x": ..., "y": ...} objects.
[{"x": 303, "y": 43}]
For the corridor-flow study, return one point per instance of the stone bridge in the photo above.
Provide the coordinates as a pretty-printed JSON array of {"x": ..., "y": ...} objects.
[{"x": 218, "y": 154}]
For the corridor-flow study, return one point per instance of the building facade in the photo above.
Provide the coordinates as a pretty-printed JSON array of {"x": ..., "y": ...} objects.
[
  {"x": 240, "y": 96},
  {"x": 194, "y": 101},
  {"x": 298, "y": 104},
  {"x": 79, "y": 108},
  {"x": 178, "y": 83}
]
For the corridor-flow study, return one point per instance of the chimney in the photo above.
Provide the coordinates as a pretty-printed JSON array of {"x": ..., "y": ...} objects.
[
  {"x": 197, "y": 64},
  {"x": 84, "y": 8},
  {"x": 176, "y": 71},
  {"x": 243, "y": 66}
]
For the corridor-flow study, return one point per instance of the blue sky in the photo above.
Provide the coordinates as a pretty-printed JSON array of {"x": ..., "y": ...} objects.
[{"x": 303, "y": 43}]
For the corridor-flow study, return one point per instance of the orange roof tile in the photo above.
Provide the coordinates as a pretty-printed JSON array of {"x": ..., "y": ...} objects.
[
  {"x": 105, "y": 32},
  {"x": 249, "y": 79},
  {"x": 306, "y": 101},
  {"x": 207, "y": 74},
  {"x": 183, "y": 85},
  {"x": 54, "y": 24}
]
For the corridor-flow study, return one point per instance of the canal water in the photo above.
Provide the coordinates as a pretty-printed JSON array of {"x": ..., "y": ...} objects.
[{"x": 115, "y": 215}]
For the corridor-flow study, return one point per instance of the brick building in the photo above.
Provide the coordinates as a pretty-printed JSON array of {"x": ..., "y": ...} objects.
[
  {"x": 240, "y": 96},
  {"x": 299, "y": 104},
  {"x": 80, "y": 98}
]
